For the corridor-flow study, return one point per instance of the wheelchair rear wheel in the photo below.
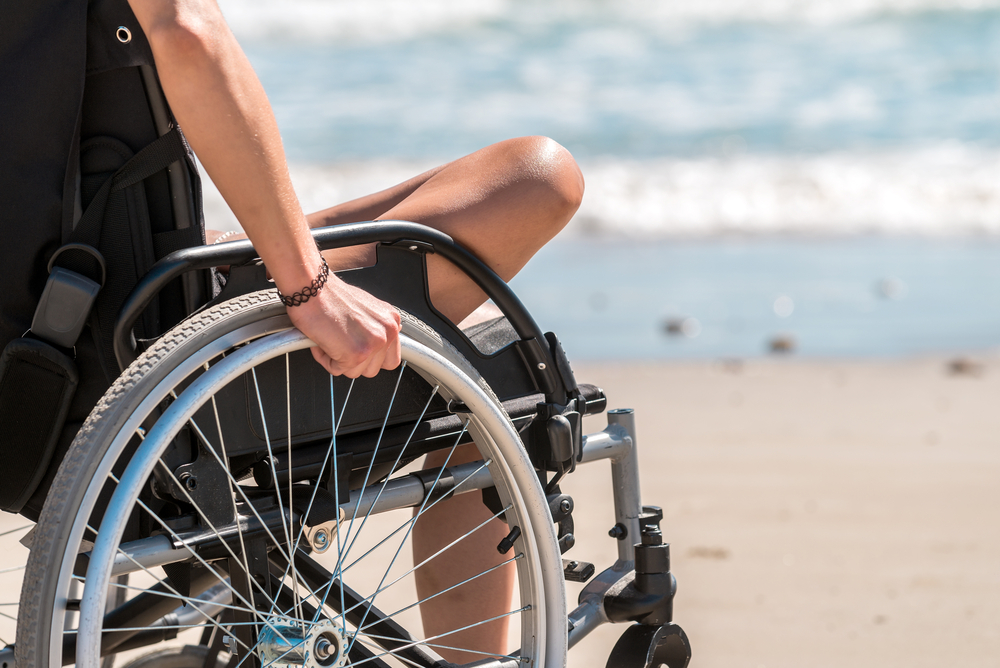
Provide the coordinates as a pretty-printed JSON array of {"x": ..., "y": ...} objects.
[{"x": 260, "y": 507}]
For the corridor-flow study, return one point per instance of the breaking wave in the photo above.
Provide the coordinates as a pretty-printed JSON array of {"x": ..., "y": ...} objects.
[
  {"x": 381, "y": 20},
  {"x": 950, "y": 189}
]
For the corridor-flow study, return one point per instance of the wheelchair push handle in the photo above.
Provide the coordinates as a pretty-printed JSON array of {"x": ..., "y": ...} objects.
[{"x": 352, "y": 234}]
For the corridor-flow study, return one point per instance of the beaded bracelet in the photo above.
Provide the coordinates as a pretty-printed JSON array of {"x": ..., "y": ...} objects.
[{"x": 303, "y": 295}]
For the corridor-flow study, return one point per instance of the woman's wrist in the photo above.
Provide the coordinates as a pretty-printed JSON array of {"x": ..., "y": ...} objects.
[
  {"x": 300, "y": 297},
  {"x": 294, "y": 262}
]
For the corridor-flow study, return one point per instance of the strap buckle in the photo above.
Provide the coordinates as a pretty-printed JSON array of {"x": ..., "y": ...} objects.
[{"x": 67, "y": 300}]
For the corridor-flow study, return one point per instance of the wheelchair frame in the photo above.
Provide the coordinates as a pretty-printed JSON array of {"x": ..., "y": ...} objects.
[{"x": 638, "y": 587}]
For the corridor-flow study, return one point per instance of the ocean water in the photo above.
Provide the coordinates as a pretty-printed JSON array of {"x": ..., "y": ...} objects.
[
  {"x": 809, "y": 133},
  {"x": 852, "y": 297}
]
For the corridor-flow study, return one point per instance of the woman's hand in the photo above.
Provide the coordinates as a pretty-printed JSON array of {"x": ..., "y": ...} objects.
[{"x": 356, "y": 334}]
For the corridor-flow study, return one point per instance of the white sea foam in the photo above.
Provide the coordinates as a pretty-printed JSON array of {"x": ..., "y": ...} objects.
[
  {"x": 355, "y": 20},
  {"x": 811, "y": 11},
  {"x": 944, "y": 190},
  {"x": 380, "y": 20}
]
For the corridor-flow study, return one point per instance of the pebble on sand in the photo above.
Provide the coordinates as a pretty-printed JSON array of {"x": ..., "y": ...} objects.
[
  {"x": 961, "y": 366},
  {"x": 782, "y": 344}
]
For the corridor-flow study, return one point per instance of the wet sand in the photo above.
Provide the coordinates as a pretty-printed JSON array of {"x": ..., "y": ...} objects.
[{"x": 821, "y": 513}]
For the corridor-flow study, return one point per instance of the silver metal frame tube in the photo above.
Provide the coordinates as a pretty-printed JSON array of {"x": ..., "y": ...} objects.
[
  {"x": 404, "y": 492},
  {"x": 148, "y": 553},
  {"x": 585, "y": 619},
  {"x": 612, "y": 443},
  {"x": 408, "y": 491},
  {"x": 617, "y": 443},
  {"x": 207, "y": 605},
  {"x": 625, "y": 482}
]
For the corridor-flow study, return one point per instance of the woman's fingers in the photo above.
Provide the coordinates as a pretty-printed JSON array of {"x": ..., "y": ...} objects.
[{"x": 356, "y": 333}]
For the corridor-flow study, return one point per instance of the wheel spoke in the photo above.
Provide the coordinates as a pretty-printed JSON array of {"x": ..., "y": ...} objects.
[
  {"x": 413, "y": 518},
  {"x": 383, "y": 486},
  {"x": 10, "y": 531},
  {"x": 288, "y": 436},
  {"x": 215, "y": 531},
  {"x": 428, "y": 559},
  {"x": 408, "y": 523},
  {"x": 392, "y": 470},
  {"x": 410, "y": 528},
  {"x": 330, "y": 452},
  {"x": 239, "y": 488},
  {"x": 459, "y": 649},
  {"x": 229, "y": 477},
  {"x": 371, "y": 465},
  {"x": 174, "y": 591},
  {"x": 342, "y": 556},
  {"x": 270, "y": 456},
  {"x": 444, "y": 591},
  {"x": 173, "y": 534},
  {"x": 233, "y": 483},
  {"x": 314, "y": 573},
  {"x": 188, "y": 600},
  {"x": 366, "y": 644},
  {"x": 336, "y": 493},
  {"x": 177, "y": 627},
  {"x": 442, "y": 635}
]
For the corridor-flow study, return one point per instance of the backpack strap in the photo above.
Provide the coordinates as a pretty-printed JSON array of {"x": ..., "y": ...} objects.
[
  {"x": 80, "y": 262},
  {"x": 158, "y": 155}
]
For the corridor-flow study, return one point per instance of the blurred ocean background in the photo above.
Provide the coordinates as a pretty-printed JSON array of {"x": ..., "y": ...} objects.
[{"x": 817, "y": 175}]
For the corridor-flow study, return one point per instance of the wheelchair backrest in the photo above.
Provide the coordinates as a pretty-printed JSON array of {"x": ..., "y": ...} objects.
[{"x": 81, "y": 102}]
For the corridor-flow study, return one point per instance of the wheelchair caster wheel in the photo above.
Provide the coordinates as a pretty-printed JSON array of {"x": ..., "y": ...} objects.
[{"x": 651, "y": 647}]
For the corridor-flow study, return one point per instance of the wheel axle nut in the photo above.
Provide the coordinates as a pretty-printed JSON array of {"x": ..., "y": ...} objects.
[
  {"x": 321, "y": 540},
  {"x": 324, "y": 649}
]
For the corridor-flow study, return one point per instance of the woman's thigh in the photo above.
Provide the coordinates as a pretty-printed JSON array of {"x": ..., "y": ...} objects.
[{"x": 503, "y": 203}]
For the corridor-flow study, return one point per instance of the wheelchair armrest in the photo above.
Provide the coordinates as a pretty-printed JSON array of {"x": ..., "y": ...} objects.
[{"x": 533, "y": 346}]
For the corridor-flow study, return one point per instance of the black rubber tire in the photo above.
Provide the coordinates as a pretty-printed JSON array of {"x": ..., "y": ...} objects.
[{"x": 77, "y": 468}]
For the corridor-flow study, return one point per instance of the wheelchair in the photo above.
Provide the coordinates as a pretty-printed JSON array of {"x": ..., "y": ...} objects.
[{"x": 229, "y": 503}]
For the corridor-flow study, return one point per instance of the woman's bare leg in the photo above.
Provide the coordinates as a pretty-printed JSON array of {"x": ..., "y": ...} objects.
[
  {"x": 503, "y": 203},
  {"x": 487, "y": 596}
]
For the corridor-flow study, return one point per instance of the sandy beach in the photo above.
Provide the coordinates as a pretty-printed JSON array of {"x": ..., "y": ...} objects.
[{"x": 821, "y": 513}]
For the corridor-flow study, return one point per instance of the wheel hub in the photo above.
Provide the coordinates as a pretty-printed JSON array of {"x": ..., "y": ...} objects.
[{"x": 320, "y": 645}]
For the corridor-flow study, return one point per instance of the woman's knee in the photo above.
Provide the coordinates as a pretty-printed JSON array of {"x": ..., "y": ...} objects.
[{"x": 548, "y": 164}]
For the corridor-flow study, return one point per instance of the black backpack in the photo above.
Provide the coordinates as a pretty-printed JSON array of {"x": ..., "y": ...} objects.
[{"x": 92, "y": 161}]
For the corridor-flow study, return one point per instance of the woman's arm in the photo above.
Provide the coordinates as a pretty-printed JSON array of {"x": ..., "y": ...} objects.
[{"x": 220, "y": 103}]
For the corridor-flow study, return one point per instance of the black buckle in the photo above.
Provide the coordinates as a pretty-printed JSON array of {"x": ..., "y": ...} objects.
[{"x": 67, "y": 300}]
